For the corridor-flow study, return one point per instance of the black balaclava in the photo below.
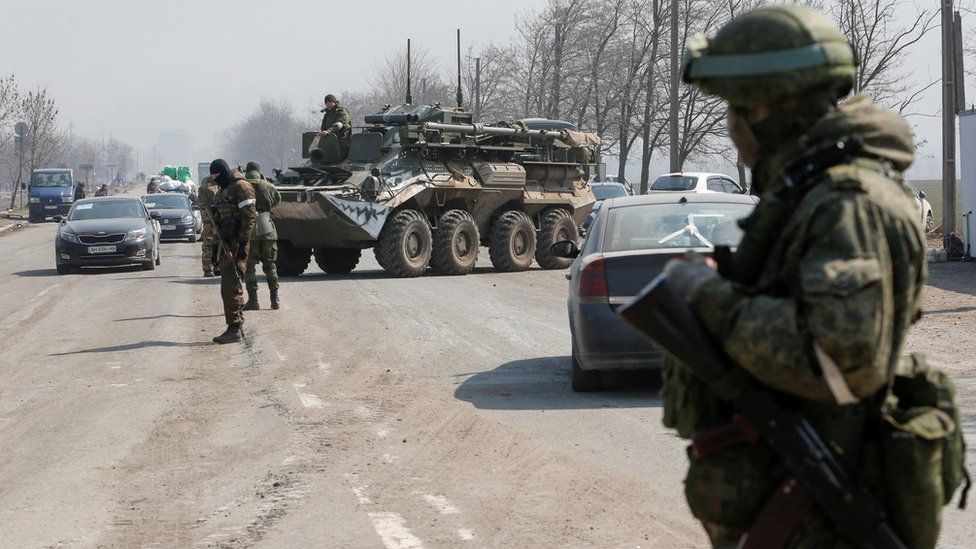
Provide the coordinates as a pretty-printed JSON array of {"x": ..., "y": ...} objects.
[{"x": 220, "y": 171}]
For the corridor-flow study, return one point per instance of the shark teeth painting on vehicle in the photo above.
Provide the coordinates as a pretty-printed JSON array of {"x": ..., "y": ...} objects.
[{"x": 369, "y": 216}]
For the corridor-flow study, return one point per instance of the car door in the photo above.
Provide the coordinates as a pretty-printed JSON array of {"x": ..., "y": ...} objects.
[{"x": 715, "y": 184}]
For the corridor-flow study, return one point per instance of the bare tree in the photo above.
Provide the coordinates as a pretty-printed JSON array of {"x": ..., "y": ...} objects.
[
  {"x": 497, "y": 69},
  {"x": 48, "y": 143},
  {"x": 271, "y": 135},
  {"x": 10, "y": 107}
]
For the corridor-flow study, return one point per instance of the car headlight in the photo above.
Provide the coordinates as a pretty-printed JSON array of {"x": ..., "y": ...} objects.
[
  {"x": 35, "y": 200},
  {"x": 135, "y": 234},
  {"x": 68, "y": 236},
  {"x": 187, "y": 218},
  {"x": 196, "y": 214},
  {"x": 67, "y": 199}
]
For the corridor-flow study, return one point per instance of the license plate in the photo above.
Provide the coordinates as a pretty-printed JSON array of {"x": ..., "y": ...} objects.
[
  {"x": 101, "y": 249},
  {"x": 169, "y": 227},
  {"x": 50, "y": 207}
]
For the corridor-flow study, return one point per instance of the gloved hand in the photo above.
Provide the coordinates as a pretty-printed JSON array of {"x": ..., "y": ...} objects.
[{"x": 688, "y": 274}]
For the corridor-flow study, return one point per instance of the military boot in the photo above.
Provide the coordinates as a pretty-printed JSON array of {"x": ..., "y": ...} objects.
[
  {"x": 231, "y": 335},
  {"x": 208, "y": 274},
  {"x": 274, "y": 300},
  {"x": 252, "y": 301}
]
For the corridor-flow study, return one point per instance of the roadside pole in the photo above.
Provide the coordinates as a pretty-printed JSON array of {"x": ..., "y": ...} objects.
[
  {"x": 675, "y": 74},
  {"x": 949, "y": 108},
  {"x": 477, "y": 89}
]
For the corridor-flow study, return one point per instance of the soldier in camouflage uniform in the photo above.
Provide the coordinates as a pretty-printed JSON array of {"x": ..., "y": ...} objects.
[
  {"x": 264, "y": 240},
  {"x": 205, "y": 199},
  {"x": 815, "y": 302},
  {"x": 235, "y": 215},
  {"x": 336, "y": 120}
]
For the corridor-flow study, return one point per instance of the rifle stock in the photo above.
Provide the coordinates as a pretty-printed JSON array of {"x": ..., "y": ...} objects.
[{"x": 662, "y": 315}]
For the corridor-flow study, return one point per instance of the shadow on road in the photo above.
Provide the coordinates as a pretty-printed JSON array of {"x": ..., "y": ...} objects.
[
  {"x": 166, "y": 315},
  {"x": 133, "y": 346},
  {"x": 954, "y": 276},
  {"x": 37, "y": 273},
  {"x": 197, "y": 281},
  {"x": 544, "y": 384},
  {"x": 84, "y": 271},
  {"x": 377, "y": 274}
]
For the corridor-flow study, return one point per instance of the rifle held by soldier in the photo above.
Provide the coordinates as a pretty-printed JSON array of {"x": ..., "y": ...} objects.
[{"x": 661, "y": 314}]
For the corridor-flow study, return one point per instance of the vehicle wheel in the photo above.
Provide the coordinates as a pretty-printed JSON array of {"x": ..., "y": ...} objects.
[
  {"x": 585, "y": 380},
  {"x": 191, "y": 239},
  {"x": 557, "y": 226},
  {"x": 512, "y": 242},
  {"x": 159, "y": 257},
  {"x": 337, "y": 260},
  {"x": 456, "y": 244},
  {"x": 929, "y": 222},
  {"x": 32, "y": 218},
  {"x": 405, "y": 244},
  {"x": 292, "y": 260},
  {"x": 63, "y": 269}
]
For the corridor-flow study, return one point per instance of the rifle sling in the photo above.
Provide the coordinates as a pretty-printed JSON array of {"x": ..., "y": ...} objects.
[{"x": 780, "y": 516}]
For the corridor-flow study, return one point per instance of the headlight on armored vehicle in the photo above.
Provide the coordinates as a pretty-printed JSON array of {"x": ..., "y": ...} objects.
[
  {"x": 68, "y": 236},
  {"x": 135, "y": 234}
]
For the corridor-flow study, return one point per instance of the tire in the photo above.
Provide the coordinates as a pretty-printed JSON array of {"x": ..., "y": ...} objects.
[
  {"x": 557, "y": 225},
  {"x": 191, "y": 239},
  {"x": 585, "y": 381},
  {"x": 292, "y": 260},
  {"x": 149, "y": 266},
  {"x": 33, "y": 218},
  {"x": 511, "y": 244},
  {"x": 456, "y": 244},
  {"x": 63, "y": 269},
  {"x": 159, "y": 256},
  {"x": 337, "y": 260},
  {"x": 405, "y": 244}
]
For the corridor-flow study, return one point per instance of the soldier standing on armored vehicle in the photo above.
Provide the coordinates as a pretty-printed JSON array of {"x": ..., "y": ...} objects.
[
  {"x": 205, "y": 199},
  {"x": 815, "y": 303},
  {"x": 336, "y": 121},
  {"x": 235, "y": 215},
  {"x": 264, "y": 239}
]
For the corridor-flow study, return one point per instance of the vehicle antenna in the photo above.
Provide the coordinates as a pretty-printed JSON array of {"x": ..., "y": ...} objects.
[
  {"x": 409, "y": 97},
  {"x": 460, "y": 98}
]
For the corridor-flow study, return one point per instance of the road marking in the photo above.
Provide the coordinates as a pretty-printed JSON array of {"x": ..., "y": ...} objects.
[
  {"x": 117, "y": 385},
  {"x": 308, "y": 399},
  {"x": 361, "y": 496},
  {"x": 442, "y": 504},
  {"x": 465, "y": 534},
  {"x": 46, "y": 290},
  {"x": 394, "y": 533}
]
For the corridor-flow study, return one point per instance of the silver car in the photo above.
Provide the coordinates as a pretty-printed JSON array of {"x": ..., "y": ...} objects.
[{"x": 629, "y": 242}]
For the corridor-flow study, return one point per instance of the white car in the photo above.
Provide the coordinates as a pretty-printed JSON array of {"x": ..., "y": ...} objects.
[
  {"x": 923, "y": 208},
  {"x": 696, "y": 182}
]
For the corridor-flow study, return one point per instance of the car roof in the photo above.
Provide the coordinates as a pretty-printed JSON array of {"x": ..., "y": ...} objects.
[
  {"x": 679, "y": 197},
  {"x": 52, "y": 170},
  {"x": 607, "y": 184},
  {"x": 105, "y": 199},
  {"x": 695, "y": 174}
]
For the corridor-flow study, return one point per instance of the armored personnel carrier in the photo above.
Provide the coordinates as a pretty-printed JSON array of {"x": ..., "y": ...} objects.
[{"x": 424, "y": 186}]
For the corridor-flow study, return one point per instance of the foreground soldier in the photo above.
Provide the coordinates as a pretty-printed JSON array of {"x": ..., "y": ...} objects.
[
  {"x": 264, "y": 239},
  {"x": 816, "y": 301},
  {"x": 205, "y": 199},
  {"x": 235, "y": 215}
]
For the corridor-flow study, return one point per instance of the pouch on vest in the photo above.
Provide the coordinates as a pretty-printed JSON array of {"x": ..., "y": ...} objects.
[
  {"x": 263, "y": 225},
  {"x": 689, "y": 405},
  {"x": 228, "y": 228},
  {"x": 922, "y": 451}
]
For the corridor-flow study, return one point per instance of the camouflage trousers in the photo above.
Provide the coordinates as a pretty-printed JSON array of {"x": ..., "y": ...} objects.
[
  {"x": 265, "y": 251},
  {"x": 207, "y": 256},
  {"x": 231, "y": 291}
]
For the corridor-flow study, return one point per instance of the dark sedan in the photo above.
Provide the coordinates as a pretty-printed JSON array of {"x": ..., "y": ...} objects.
[
  {"x": 107, "y": 231},
  {"x": 629, "y": 242},
  {"x": 179, "y": 218}
]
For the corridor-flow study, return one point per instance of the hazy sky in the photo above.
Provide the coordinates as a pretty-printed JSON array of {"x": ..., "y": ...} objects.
[{"x": 135, "y": 68}]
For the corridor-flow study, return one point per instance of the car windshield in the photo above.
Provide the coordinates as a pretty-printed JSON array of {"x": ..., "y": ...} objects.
[
  {"x": 603, "y": 192},
  {"x": 656, "y": 226},
  {"x": 166, "y": 202},
  {"x": 51, "y": 180},
  {"x": 105, "y": 209},
  {"x": 674, "y": 183}
]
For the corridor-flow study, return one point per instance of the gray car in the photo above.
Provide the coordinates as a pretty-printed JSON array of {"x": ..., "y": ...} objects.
[{"x": 628, "y": 244}]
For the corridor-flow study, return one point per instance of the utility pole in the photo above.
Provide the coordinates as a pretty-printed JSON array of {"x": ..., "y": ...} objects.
[
  {"x": 675, "y": 75},
  {"x": 477, "y": 89},
  {"x": 948, "y": 120}
]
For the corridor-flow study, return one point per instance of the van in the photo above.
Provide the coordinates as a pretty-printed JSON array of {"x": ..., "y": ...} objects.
[{"x": 50, "y": 192}]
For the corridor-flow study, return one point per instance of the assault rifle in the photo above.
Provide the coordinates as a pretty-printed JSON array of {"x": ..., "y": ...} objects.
[
  {"x": 662, "y": 315},
  {"x": 228, "y": 254}
]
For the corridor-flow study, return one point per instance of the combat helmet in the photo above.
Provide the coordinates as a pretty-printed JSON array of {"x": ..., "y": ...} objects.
[{"x": 770, "y": 54}]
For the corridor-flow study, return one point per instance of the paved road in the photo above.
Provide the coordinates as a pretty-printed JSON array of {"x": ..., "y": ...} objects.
[{"x": 368, "y": 412}]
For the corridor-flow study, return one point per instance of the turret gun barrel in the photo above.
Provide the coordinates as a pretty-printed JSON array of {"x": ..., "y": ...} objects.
[{"x": 481, "y": 129}]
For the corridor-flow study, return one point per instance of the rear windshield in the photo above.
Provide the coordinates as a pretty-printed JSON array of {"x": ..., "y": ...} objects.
[
  {"x": 51, "y": 180},
  {"x": 105, "y": 209},
  {"x": 674, "y": 183},
  {"x": 603, "y": 192},
  {"x": 166, "y": 201},
  {"x": 656, "y": 226}
]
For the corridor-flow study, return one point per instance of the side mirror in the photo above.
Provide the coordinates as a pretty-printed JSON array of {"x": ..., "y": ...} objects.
[
  {"x": 566, "y": 249},
  {"x": 745, "y": 190},
  {"x": 156, "y": 215},
  {"x": 196, "y": 207},
  {"x": 921, "y": 194}
]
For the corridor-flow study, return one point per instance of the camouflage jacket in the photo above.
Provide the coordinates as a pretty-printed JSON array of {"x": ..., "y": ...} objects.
[
  {"x": 267, "y": 198},
  {"x": 205, "y": 197},
  {"x": 338, "y": 114},
  {"x": 844, "y": 272},
  {"x": 236, "y": 212}
]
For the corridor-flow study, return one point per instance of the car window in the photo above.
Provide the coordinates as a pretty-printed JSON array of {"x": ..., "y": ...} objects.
[
  {"x": 106, "y": 209},
  {"x": 731, "y": 186},
  {"x": 603, "y": 192},
  {"x": 716, "y": 184},
  {"x": 674, "y": 183},
  {"x": 166, "y": 201},
  {"x": 51, "y": 180},
  {"x": 657, "y": 226}
]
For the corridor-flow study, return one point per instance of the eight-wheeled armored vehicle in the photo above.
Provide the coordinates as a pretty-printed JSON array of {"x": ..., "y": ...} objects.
[{"x": 424, "y": 186}]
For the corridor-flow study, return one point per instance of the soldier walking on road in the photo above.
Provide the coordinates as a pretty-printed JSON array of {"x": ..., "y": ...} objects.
[
  {"x": 235, "y": 216},
  {"x": 206, "y": 197},
  {"x": 816, "y": 301},
  {"x": 264, "y": 239}
]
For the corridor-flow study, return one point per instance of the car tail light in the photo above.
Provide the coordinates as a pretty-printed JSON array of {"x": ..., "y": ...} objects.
[{"x": 593, "y": 280}]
